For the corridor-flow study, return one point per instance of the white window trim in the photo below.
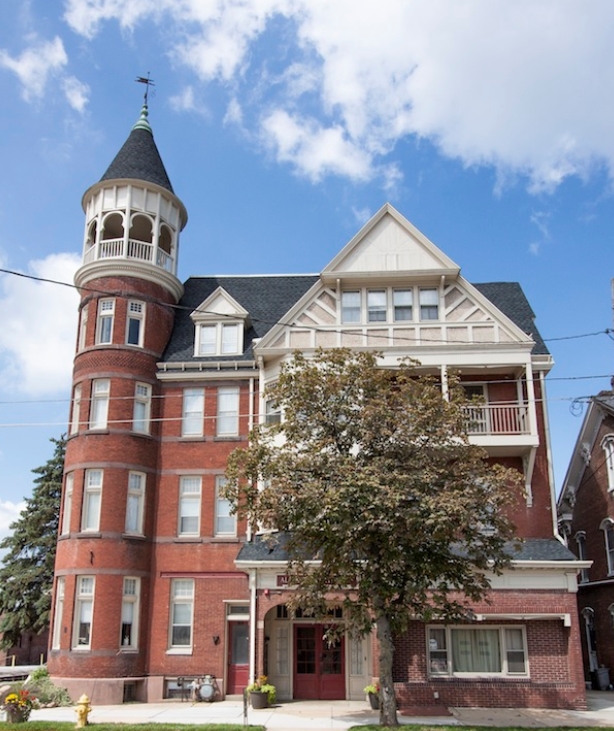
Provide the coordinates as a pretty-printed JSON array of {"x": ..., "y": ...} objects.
[
  {"x": 67, "y": 504},
  {"x": 234, "y": 413},
  {"x": 135, "y": 601},
  {"x": 220, "y": 480},
  {"x": 190, "y": 497},
  {"x": 75, "y": 415},
  {"x": 145, "y": 401},
  {"x": 606, "y": 526},
  {"x": 99, "y": 408},
  {"x": 82, "y": 329},
  {"x": 607, "y": 444},
  {"x": 82, "y": 598},
  {"x": 367, "y": 309},
  {"x": 139, "y": 494},
  {"x": 580, "y": 539},
  {"x": 102, "y": 314},
  {"x": 181, "y": 599},
  {"x": 135, "y": 315},
  {"x": 90, "y": 489},
  {"x": 58, "y": 613},
  {"x": 218, "y": 328},
  {"x": 189, "y": 417},
  {"x": 504, "y": 673}
]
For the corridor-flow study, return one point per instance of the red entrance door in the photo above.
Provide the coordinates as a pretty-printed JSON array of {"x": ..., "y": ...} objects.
[
  {"x": 319, "y": 669},
  {"x": 238, "y": 657}
]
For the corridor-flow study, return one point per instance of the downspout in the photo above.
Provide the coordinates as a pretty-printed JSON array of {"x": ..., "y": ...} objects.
[
  {"x": 555, "y": 522},
  {"x": 253, "y": 573},
  {"x": 248, "y": 533}
]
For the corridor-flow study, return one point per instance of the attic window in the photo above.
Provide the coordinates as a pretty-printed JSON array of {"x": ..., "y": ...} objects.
[{"x": 220, "y": 338}]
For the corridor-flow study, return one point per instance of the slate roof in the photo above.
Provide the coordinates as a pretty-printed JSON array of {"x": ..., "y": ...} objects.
[
  {"x": 272, "y": 547},
  {"x": 139, "y": 159},
  {"x": 269, "y": 298},
  {"x": 510, "y": 299}
]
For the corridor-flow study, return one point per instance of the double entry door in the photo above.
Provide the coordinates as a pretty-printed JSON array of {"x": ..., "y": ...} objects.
[{"x": 319, "y": 668}]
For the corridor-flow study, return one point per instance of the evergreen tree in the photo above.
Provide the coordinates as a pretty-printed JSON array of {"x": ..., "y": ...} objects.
[{"x": 26, "y": 574}]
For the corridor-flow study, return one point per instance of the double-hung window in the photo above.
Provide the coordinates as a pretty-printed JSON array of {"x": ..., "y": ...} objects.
[
  {"x": 193, "y": 412},
  {"x": 220, "y": 339},
  {"x": 227, "y": 411},
  {"x": 92, "y": 495},
  {"x": 272, "y": 412},
  {"x": 350, "y": 307},
  {"x": 129, "y": 634},
  {"x": 76, "y": 409},
  {"x": 376, "y": 305},
  {"x": 402, "y": 304},
  {"x": 466, "y": 651},
  {"x": 141, "y": 416},
  {"x": 67, "y": 506},
  {"x": 608, "y": 452},
  {"x": 84, "y": 608},
  {"x": 134, "y": 323},
  {"x": 135, "y": 503},
  {"x": 82, "y": 329},
  {"x": 104, "y": 324},
  {"x": 225, "y": 522},
  {"x": 581, "y": 543},
  {"x": 607, "y": 526},
  {"x": 429, "y": 304},
  {"x": 99, "y": 412},
  {"x": 189, "y": 506},
  {"x": 182, "y": 613},
  {"x": 58, "y": 613}
]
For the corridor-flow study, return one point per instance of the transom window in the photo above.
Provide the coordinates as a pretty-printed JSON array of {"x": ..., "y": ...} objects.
[
  {"x": 390, "y": 304},
  {"x": 181, "y": 615},
  {"x": 130, "y": 614},
  {"x": 100, "y": 403},
  {"x": 141, "y": 417},
  {"x": 488, "y": 650},
  {"x": 134, "y": 323},
  {"x": 92, "y": 495},
  {"x": 219, "y": 338},
  {"x": 104, "y": 325},
  {"x": 84, "y": 605}
]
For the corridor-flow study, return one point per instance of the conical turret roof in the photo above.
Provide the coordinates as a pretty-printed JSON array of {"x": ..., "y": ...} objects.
[{"x": 139, "y": 157}]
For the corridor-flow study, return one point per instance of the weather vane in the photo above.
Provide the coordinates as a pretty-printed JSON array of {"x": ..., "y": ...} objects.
[{"x": 148, "y": 82}]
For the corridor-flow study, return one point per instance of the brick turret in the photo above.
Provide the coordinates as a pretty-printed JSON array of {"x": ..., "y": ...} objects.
[{"x": 128, "y": 287}]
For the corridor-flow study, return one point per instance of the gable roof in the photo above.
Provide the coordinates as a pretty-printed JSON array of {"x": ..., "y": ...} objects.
[
  {"x": 139, "y": 158},
  {"x": 268, "y": 298}
]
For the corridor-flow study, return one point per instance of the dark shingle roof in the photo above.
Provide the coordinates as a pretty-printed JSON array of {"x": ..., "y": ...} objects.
[
  {"x": 268, "y": 299},
  {"x": 272, "y": 547},
  {"x": 139, "y": 158},
  {"x": 510, "y": 299}
]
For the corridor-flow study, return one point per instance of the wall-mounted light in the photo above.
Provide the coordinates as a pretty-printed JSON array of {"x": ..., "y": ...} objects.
[{"x": 216, "y": 639}]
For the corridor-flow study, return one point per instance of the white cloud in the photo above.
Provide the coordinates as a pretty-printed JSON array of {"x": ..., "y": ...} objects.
[
  {"x": 519, "y": 86},
  {"x": 9, "y": 512},
  {"x": 76, "y": 92},
  {"x": 35, "y": 65},
  {"x": 39, "y": 320}
]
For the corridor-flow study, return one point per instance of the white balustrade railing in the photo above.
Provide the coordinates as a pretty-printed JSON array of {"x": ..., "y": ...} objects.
[
  {"x": 497, "y": 419},
  {"x": 138, "y": 250}
]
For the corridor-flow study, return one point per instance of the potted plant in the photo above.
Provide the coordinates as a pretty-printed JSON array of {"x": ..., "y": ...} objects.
[
  {"x": 261, "y": 693},
  {"x": 18, "y": 706},
  {"x": 372, "y": 692}
]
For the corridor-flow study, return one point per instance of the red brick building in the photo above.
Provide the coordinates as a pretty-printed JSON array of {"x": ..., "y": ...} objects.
[
  {"x": 156, "y": 582},
  {"x": 586, "y": 516}
]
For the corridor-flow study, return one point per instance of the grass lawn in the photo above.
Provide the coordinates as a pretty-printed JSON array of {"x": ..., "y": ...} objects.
[
  {"x": 426, "y": 727},
  {"x": 69, "y": 726}
]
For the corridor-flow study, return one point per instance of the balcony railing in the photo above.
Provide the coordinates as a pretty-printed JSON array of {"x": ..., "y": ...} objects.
[
  {"x": 497, "y": 419},
  {"x": 136, "y": 250}
]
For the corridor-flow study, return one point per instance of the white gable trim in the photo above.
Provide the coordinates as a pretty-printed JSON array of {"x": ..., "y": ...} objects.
[{"x": 219, "y": 306}]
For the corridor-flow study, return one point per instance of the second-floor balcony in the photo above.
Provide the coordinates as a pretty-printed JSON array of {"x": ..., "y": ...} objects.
[
  {"x": 502, "y": 429},
  {"x": 132, "y": 249}
]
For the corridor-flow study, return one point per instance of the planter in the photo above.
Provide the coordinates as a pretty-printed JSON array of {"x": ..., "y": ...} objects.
[
  {"x": 258, "y": 699},
  {"x": 15, "y": 715},
  {"x": 374, "y": 701}
]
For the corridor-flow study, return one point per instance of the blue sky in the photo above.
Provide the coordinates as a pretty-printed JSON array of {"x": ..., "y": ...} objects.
[{"x": 285, "y": 124}]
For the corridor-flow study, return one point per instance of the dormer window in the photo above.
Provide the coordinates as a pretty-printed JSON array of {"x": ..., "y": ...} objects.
[
  {"x": 220, "y": 339},
  {"x": 219, "y": 325}
]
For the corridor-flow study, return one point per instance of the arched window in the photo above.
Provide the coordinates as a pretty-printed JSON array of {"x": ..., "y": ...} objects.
[
  {"x": 608, "y": 452},
  {"x": 141, "y": 229},
  {"x": 607, "y": 526},
  {"x": 91, "y": 234},
  {"x": 113, "y": 227},
  {"x": 165, "y": 240},
  {"x": 581, "y": 543}
]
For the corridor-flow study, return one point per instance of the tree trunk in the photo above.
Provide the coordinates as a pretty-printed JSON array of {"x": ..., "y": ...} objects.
[{"x": 388, "y": 701}]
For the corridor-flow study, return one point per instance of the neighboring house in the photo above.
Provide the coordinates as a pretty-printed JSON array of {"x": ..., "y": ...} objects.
[
  {"x": 586, "y": 519},
  {"x": 157, "y": 583},
  {"x": 31, "y": 650}
]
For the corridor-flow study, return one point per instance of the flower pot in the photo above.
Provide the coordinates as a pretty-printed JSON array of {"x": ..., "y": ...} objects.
[
  {"x": 15, "y": 715},
  {"x": 374, "y": 701},
  {"x": 258, "y": 699}
]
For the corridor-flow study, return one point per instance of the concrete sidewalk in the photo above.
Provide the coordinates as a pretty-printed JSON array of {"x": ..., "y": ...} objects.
[{"x": 337, "y": 715}]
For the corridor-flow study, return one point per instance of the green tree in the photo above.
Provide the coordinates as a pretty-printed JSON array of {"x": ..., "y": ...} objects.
[
  {"x": 26, "y": 574},
  {"x": 371, "y": 473}
]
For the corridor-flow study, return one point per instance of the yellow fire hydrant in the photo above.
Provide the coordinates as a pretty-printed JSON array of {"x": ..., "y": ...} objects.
[{"x": 82, "y": 710}]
